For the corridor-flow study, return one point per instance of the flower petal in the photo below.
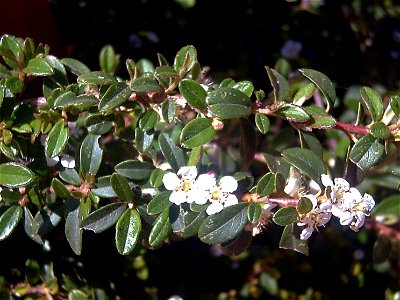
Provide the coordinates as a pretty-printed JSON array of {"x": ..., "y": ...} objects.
[
  {"x": 346, "y": 218},
  {"x": 341, "y": 185},
  {"x": 171, "y": 181},
  {"x": 205, "y": 182},
  {"x": 231, "y": 200},
  {"x": 215, "y": 207},
  {"x": 187, "y": 172},
  {"x": 306, "y": 233},
  {"x": 198, "y": 196},
  {"x": 228, "y": 184},
  {"x": 369, "y": 202},
  {"x": 326, "y": 180},
  {"x": 178, "y": 197}
]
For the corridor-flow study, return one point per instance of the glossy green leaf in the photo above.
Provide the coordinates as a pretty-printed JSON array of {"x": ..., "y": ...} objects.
[
  {"x": 98, "y": 124},
  {"x": 145, "y": 66},
  {"x": 14, "y": 85},
  {"x": 373, "y": 102},
  {"x": 228, "y": 103},
  {"x": 80, "y": 103},
  {"x": 91, "y": 155},
  {"x": 389, "y": 206},
  {"x": 195, "y": 156},
  {"x": 73, "y": 232},
  {"x": 127, "y": 232},
  {"x": 144, "y": 85},
  {"x": 161, "y": 229},
  {"x": 107, "y": 59},
  {"x": 48, "y": 218},
  {"x": 267, "y": 185},
  {"x": 285, "y": 216},
  {"x": 292, "y": 112},
  {"x": 185, "y": 58},
  {"x": 395, "y": 105},
  {"x": 148, "y": 120},
  {"x": 156, "y": 177},
  {"x": 306, "y": 162},
  {"x": 39, "y": 67},
  {"x": 244, "y": 86},
  {"x": 57, "y": 139},
  {"x": 76, "y": 294},
  {"x": 254, "y": 212},
  {"x": 367, "y": 152},
  {"x": 9, "y": 220},
  {"x": 116, "y": 94},
  {"x": 97, "y": 78},
  {"x": 262, "y": 123},
  {"x": 194, "y": 93},
  {"x": 280, "y": 85},
  {"x": 304, "y": 93},
  {"x": 323, "y": 83},
  {"x": 168, "y": 110},
  {"x": 227, "y": 82},
  {"x": 143, "y": 140},
  {"x": 304, "y": 205},
  {"x": 289, "y": 241},
  {"x": 71, "y": 176},
  {"x": 380, "y": 130},
  {"x": 104, "y": 188},
  {"x": 60, "y": 74},
  {"x": 159, "y": 203},
  {"x": 75, "y": 66},
  {"x": 121, "y": 187},
  {"x": 31, "y": 227},
  {"x": 134, "y": 169},
  {"x": 321, "y": 121},
  {"x": 59, "y": 188},
  {"x": 166, "y": 75},
  {"x": 310, "y": 141},
  {"x": 225, "y": 225},
  {"x": 172, "y": 153},
  {"x": 197, "y": 133},
  {"x": 14, "y": 175},
  {"x": 104, "y": 217}
]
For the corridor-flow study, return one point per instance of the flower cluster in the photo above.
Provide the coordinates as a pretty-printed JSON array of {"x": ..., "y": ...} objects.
[
  {"x": 339, "y": 200},
  {"x": 187, "y": 187}
]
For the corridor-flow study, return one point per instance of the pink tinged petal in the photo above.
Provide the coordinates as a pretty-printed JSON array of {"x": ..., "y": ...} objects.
[
  {"x": 187, "y": 172},
  {"x": 325, "y": 206},
  {"x": 171, "y": 181},
  {"x": 346, "y": 218},
  {"x": 326, "y": 180},
  {"x": 306, "y": 233},
  {"x": 215, "y": 207},
  {"x": 336, "y": 211},
  {"x": 231, "y": 200},
  {"x": 269, "y": 206},
  {"x": 360, "y": 219},
  {"x": 292, "y": 185},
  {"x": 228, "y": 184},
  {"x": 369, "y": 202},
  {"x": 205, "y": 182},
  {"x": 178, "y": 197}
]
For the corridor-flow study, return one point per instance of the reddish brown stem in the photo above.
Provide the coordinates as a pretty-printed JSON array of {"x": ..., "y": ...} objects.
[
  {"x": 349, "y": 128},
  {"x": 284, "y": 201}
]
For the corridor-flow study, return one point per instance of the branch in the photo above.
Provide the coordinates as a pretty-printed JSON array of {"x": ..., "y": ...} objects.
[{"x": 349, "y": 128}]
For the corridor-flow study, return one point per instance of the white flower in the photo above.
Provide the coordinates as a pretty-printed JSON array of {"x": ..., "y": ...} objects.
[
  {"x": 68, "y": 162},
  {"x": 181, "y": 185},
  {"x": 220, "y": 195},
  {"x": 318, "y": 216},
  {"x": 293, "y": 185},
  {"x": 265, "y": 218},
  {"x": 335, "y": 191}
]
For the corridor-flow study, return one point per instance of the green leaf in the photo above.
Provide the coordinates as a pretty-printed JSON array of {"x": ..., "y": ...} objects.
[
  {"x": 373, "y": 102},
  {"x": 172, "y": 153},
  {"x": 103, "y": 188},
  {"x": 225, "y": 225},
  {"x": 280, "y": 85},
  {"x": 60, "y": 74},
  {"x": 285, "y": 216},
  {"x": 289, "y": 241},
  {"x": 323, "y": 83},
  {"x": 159, "y": 203},
  {"x": 292, "y": 112},
  {"x": 98, "y": 124},
  {"x": 156, "y": 177},
  {"x": 390, "y": 206},
  {"x": 267, "y": 185},
  {"x": 197, "y": 133},
  {"x": 9, "y": 220},
  {"x": 304, "y": 206},
  {"x": 91, "y": 155},
  {"x": 306, "y": 162},
  {"x": 104, "y": 217},
  {"x": 185, "y": 58},
  {"x": 79, "y": 103},
  {"x": 245, "y": 87},
  {"x": 165, "y": 75},
  {"x": 73, "y": 232},
  {"x": 168, "y": 110},
  {"x": 254, "y": 212},
  {"x": 75, "y": 66},
  {"x": 310, "y": 141},
  {"x": 121, "y": 187},
  {"x": 380, "y": 130},
  {"x": 194, "y": 93},
  {"x": 194, "y": 156},
  {"x": 395, "y": 105},
  {"x": 228, "y": 103},
  {"x": 262, "y": 123},
  {"x": 115, "y": 95},
  {"x": 134, "y": 169},
  {"x": 144, "y": 85},
  {"x": 367, "y": 152},
  {"x": 39, "y": 67},
  {"x": 304, "y": 93},
  {"x": 14, "y": 175},
  {"x": 31, "y": 227},
  {"x": 59, "y": 188},
  {"x": 57, "y": 139},
  {"x": 107, "y": 59},
  {"x": 76, "y": 294},
  {"x": 71, "y": 176},
  {"x": 14, "y": 84},
  {"x": 48, "y": 218},
  {"x": 143, "y": 140},
  {"x": 127, "y": 231},
  {"x": 161, "y": 229},
  {"x": 148, "y": 120},
  {"x": 97, "y": 78},
  {"x": 145, "y": 66}
]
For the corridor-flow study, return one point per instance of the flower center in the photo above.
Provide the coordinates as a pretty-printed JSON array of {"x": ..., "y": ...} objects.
[
  {"x": 186, "y": 185},
  {"x": 216, "y": 194}
]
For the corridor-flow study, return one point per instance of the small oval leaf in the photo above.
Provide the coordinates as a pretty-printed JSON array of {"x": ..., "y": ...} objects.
[
  {"x": 228, "y": 103},
  {"x": 14, "y": 175},
  {"x": 367, "y": 152},
  {"x": 57, "y": 139},
  {"x": 134, "y": 169},
  {"x": 9, "y": 220},
  {"x": 127, "y": 232},
  {"x": 103, "y": 218},
  {"x": 285, "y": 216},
  {"x": 373, "y": 102},
  {"x": 193, "y": 92},
  {"x": 159, "y": 203},
  {"x": 197, "y": 133},
  {"x": 161, "y": 229},
  {"x": 115, "y": 95},
  {"x": 39, "y": 67}
]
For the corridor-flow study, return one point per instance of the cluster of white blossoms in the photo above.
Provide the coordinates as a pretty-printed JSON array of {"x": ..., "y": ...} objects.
[
  {"x": 187, "y": 187},
  {"x": 339, "y": 200}
]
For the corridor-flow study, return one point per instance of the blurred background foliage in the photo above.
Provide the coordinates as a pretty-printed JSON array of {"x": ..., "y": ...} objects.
[{"x": 354, "y": 42}]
